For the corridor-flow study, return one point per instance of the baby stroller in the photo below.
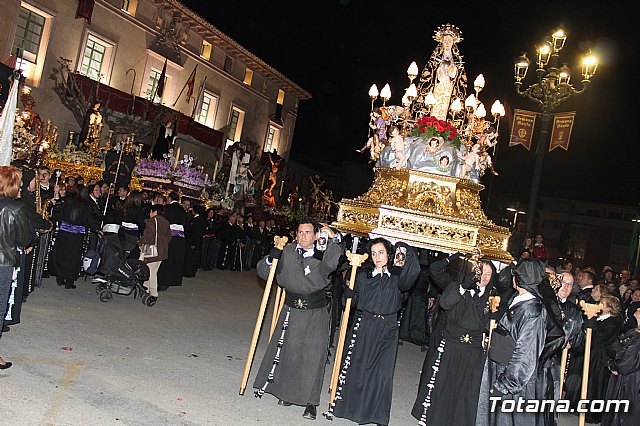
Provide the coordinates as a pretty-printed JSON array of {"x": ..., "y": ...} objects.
[{"x": 120, "y": 275}]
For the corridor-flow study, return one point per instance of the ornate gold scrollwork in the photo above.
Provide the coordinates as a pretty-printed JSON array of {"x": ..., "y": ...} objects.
[
  {"x": 430, "y": 197},
  {"x": 428, "y": 229}
]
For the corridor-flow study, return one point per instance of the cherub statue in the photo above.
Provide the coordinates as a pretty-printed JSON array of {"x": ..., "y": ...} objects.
[
  {"x": 485, "y": 162},
  {"x": 471, "y": 161},
  {"x": 397, "y": 146},
  {"x": 433, "y": 145}
]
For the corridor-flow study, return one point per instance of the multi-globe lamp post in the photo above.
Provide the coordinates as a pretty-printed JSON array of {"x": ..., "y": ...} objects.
[{"x": 551, "y": 88}]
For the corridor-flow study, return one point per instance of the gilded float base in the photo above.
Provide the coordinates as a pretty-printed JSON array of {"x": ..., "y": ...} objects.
[{"x": 425, "y": 210}]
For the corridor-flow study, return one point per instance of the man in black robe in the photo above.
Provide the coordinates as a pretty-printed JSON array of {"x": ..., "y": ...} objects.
[
  {"x": 229, "y": 253},
  {"x": 35, "y": 261},
  {"x": 170, "y": 271},
  {"x": 293, "y": 366},
  {"x": 516, "y": 345},
  {"x": 194, "y": 234}
]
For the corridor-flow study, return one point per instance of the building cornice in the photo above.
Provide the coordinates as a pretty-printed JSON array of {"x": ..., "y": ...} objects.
[
  {"x": 216, "y": 37},
  {"x": 208, "y": 65}
]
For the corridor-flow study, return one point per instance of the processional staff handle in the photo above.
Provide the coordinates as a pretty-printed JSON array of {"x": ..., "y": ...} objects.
[
  {"x": 494, "y": 303},
  {"x": 280, "y": 242},
  {"x": 355, "y": 260},
  {"x": 590, "y": 310}
]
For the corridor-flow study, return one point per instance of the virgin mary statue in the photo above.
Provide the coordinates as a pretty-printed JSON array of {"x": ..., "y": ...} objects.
[{"x": 444, "y": 73}]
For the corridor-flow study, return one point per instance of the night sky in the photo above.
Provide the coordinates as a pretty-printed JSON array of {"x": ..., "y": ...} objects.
[{"x": 337, "y": 49}]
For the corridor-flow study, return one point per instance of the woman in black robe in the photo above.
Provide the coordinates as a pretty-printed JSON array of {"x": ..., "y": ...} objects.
[
  {"x": 133, "y": 223},
  {"x": 624, "y": 383},
  {"x": 75, "y": 221},
  {"x": 606, "y": 331},
  {"x": 365, "y": 383},
  {"x": 194, "y": 233},
  {"x": 450, "y": 381}
]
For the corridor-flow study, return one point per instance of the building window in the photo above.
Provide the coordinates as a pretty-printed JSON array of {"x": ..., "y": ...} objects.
[
  {"x": 29, "y": 33},
  {"x": 578, "y": 237},
  {"x": 208, "y": 112},
  {"x": 280, "y": 100},
  {"x": 154, "y": 78},
  {"x": 248, "y": 76},
  {"x": 205, "y": 50},
  {"x": 92, "y": 59},
  {"x": 130, "y": 6},
  {"x": 228, "y": 64},
  {"x": 273, "y": 139},
  {"x": 236, "y": 120},
  {"x": 97, "y": 58}
]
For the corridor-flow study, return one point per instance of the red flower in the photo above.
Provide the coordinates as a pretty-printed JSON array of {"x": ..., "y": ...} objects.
[
  {"x": 454, "y": 132},
  {"x": 451, "y": 137},
  {"x": 422, "y": 129},
  {"x": 439, "y": 128}
]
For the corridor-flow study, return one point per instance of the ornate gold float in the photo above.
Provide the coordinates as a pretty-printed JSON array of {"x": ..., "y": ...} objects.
[{"x": 425, "y": 210}]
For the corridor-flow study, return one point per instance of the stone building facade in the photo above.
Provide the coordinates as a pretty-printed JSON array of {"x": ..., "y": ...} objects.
[{"x": 125, "y": 47}]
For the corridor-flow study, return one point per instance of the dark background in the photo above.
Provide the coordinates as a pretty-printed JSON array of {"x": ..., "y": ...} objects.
[{"x": 337, "y": 49}]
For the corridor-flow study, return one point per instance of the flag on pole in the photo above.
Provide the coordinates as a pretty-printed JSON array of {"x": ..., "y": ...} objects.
[
  {"x": 85, "y": 10},
  {"x": 522, "y": 128},
  {"x": 198, "y": 109},
  {"x": 561, "y": 132},
  {"x": 163, "y": 76},
  {"x": 191, "y": 83},
  {"x": 7, "y": 121}
]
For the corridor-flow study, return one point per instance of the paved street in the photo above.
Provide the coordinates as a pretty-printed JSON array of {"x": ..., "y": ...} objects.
[
  {"x": 178, "y": 363},
  {"x": 78, "y": 361}
]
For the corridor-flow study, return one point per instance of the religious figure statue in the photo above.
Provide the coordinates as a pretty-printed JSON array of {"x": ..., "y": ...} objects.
[
  {"x": 443, "y": 75},
  {"x": 91, "y": 126},
  {"x": 267, "y": 195}
]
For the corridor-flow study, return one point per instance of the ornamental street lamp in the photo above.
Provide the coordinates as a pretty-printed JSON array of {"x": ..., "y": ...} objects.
[{"x": 551, "y": 88}]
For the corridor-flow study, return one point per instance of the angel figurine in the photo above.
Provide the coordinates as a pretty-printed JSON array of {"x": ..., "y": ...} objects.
[
  {"x": 471, "y": 161},
  {"x": 378, "y": 140},
  {"x": 397, "y": 146}
]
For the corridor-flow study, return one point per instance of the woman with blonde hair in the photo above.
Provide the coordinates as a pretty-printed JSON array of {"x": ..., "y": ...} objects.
[
  {"x": 599, "y": 291},
  {"x": 16, "y": 233}
]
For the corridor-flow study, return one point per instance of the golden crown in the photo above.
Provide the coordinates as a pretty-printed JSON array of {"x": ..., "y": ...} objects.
[{"x": 445, "y": 30}]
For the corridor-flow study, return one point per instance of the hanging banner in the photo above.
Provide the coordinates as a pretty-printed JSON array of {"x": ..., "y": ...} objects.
[
  {"x": 522, "y": 128},
  {"x": 561, "y": 132}
]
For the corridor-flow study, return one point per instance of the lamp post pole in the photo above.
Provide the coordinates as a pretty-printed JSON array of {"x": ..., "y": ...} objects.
[
  {"x": 541, "y": 148},
  {"x": 550, "y": 90}
]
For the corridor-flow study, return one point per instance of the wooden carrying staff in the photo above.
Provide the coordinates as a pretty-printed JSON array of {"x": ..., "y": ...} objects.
[
  {"x": 590, "y": 310},
  {"x": 276, "y": 311},
  {"x": 563, "y": 367},
  {"x": 277, "y": 308},
  {"x": 494, "y": 303},
  {"x": 355, "y": 260},
  {"x": 280, "y": 242}
]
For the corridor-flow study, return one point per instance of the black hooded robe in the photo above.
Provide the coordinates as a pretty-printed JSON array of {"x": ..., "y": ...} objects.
[
  {"x": 365, "y": 383},
  {"x": 170, "y": 271},
  {"x": 450, "y": 380},
  {"x": 293, "y": 365},
  {"x": 626, "y": 385}
]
